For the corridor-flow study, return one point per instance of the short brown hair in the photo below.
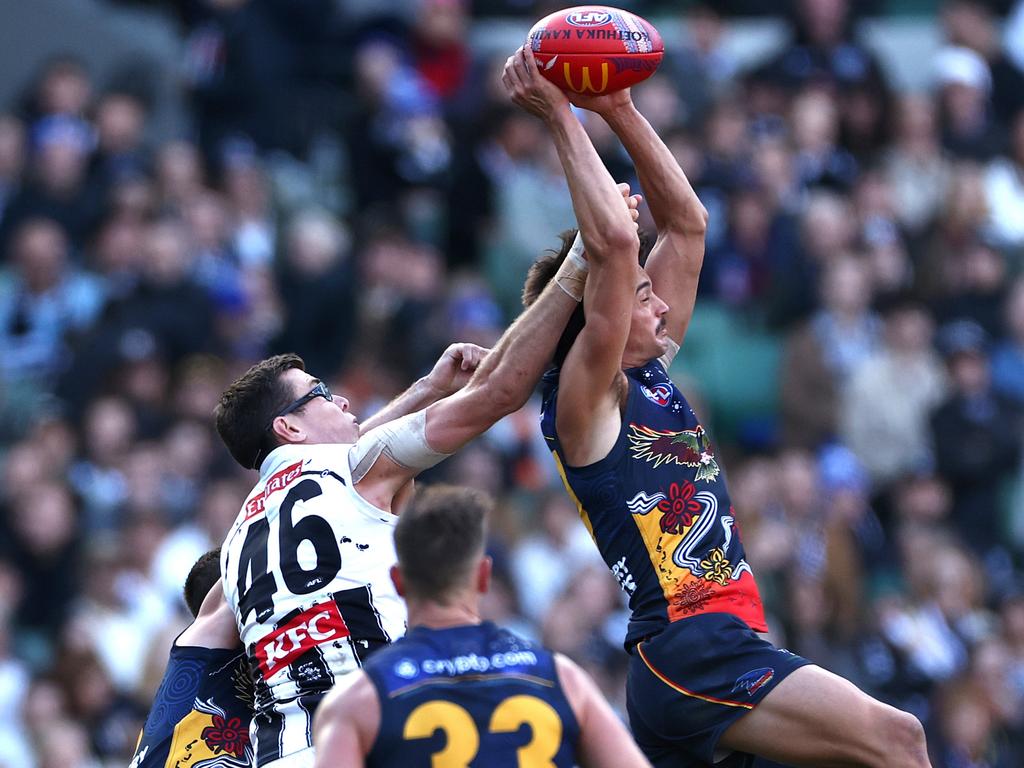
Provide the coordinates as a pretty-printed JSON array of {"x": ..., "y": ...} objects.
[
  {"x": 542, "y": 272},
  {"x": 248, "y": 406},
  {"x": 201, "y": 579},
  {"x": 439, "y": 539}
]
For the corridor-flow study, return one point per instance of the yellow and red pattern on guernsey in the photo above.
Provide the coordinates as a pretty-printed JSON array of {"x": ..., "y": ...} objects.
[{"x": 693, "y": 547}]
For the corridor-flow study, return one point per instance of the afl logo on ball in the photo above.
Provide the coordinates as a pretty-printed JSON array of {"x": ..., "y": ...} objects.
[{"x": 588, "y": 18}]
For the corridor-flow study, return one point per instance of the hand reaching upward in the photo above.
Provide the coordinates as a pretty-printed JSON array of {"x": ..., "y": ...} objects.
[{"x": 528, "y": 89}]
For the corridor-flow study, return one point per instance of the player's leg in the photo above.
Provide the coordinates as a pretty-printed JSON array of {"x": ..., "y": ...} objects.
[{"x": 815, "y": 718}]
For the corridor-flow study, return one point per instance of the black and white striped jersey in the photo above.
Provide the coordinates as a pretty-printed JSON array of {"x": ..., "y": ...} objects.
[{"x": 306, "y": 570}]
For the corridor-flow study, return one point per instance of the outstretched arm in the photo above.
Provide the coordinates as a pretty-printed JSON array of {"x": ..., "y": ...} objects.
[
  {"x": 386, "y": 458},
  {"x": 506, "y": 377},
  {"x": 674, "y": 264},
  {"x": 450, "y": 373},
  {"x": 611, "y": 241}
]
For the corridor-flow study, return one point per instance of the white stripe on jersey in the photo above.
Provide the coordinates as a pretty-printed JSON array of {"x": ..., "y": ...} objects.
[{"x": 306, "y": 571}]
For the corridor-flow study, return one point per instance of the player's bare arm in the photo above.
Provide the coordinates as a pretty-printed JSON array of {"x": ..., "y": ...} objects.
[
  {"x": 611, "y": 244},
  {"x": 588, "y": 412},
  {"x": 506, "y": 377},
  {"x": 214, "y": 626},
  {"x": 450, "y": 373},
  {"x": 604, "y": 740},
  {"x": 500, "y": 386},
  {"x": 681, "y": 219},
  {"x": 346, "y": 724}
]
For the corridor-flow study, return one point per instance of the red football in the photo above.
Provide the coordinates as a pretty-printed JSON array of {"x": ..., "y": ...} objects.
[{"x": 596, "y": 49}]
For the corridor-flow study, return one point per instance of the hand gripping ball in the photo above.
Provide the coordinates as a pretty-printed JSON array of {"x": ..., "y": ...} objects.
[{"x": 595, "y": 49}]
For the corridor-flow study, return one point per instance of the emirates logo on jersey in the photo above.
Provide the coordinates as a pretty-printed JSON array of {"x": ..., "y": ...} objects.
[
  {"x": 278, "y": 481},
  {"x": 314, "y": 626}
]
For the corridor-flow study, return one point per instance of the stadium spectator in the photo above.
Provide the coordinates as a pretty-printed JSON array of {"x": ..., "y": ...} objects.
[
  {"x": 976, "y": 437},
  {"x": 822, "y": 356},
  {"x": 885, "y": 408},
  {"x": 1008, "y": 352},
  {"x": 964, "y": 85},
  {"x": 916, "y": 165}
]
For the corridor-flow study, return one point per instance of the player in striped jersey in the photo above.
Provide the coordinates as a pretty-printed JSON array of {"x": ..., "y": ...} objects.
[{"x": 306, "y": 562}]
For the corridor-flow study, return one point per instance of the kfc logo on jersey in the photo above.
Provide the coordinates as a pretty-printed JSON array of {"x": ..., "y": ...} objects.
[
  {"x": 279, "y": 480},
  {"x": 314, "y": 626},
  {"x": 659, "y": 394}
]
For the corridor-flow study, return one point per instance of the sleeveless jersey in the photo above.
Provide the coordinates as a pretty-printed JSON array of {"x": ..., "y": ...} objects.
[
  {"x": 658, "y": 510},
  {"x": 476, "y": 696},
  {"x": 201, "y": 712},
  {"x": 306, "y": 572}
]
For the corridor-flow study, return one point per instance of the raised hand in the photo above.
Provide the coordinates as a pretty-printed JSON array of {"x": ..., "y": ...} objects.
[
  {"x": 455, "y": 367},
  {"x": 603, "y": 104},
  {"x": 529, "y": 89}
]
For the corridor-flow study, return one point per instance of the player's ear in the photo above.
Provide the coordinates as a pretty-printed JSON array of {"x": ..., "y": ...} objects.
[
  {"x": 396, "y": 579},
  {"x": 483, "y": 574},
  {"x": 287, "y": 430}
]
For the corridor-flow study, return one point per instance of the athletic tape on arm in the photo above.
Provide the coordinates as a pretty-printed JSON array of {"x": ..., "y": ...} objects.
[
  {"x": 571, "y": 276},
  {"x": 403, "y": 440},
  {"x": 670, "y": 354}
]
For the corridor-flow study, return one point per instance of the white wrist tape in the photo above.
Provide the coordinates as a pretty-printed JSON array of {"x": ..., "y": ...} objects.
[
  {"x": 403, "y": 441},
  {"x": 571, "y": 276},
  {"x": 670, "y": 354}
]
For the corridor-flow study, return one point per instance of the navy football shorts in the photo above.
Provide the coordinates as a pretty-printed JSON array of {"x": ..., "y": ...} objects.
[{"x": 693, "y": 680}]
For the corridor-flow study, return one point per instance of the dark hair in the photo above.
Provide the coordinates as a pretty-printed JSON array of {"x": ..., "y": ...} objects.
[
  {"x": 898, "y": 303},
  {"x": 248, "y": 406},
  {"x": 542, "y": 272},
  {"x": 439, "y": 540},
  {"x": 201, "y": 579}
]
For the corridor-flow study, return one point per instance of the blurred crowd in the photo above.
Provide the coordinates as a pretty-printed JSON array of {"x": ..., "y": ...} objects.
[{"x": 355, "y": 187}]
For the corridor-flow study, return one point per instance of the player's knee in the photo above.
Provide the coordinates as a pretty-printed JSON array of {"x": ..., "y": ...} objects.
[{"x": 903, "y": 743}]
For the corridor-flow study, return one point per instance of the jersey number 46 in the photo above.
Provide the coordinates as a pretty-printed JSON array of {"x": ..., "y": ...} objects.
[{"x": 259, "y": 596}]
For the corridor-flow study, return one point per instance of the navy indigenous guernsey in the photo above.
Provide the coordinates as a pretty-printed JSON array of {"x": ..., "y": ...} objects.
[
  {"x": 658, "y": 510},
  {"x": 475, "y": 695},
  {"x": 201, "y": 712}
]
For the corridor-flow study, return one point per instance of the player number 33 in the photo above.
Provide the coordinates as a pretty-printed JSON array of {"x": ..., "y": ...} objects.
[{"x": 463, "y": 738}]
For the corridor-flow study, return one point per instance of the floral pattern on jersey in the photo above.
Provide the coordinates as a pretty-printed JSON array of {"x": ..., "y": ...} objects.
[
  {"x": 226, "y": 735},
  {"x": 716, "y": 567},
  {"x": 687, "y": 448},
  {"x": 678, "y": 510},
  {"x": 693, "y": 539}
]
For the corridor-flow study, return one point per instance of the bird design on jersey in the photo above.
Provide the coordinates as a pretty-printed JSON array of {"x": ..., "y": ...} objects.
[{"x": 688, "y": 448}]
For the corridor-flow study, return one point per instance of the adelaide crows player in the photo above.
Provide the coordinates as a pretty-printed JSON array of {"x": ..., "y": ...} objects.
[
  {"x": 703, "y": 686},
  {"x": 456, "y": 690},
  {"x": 202, "y": 709}
]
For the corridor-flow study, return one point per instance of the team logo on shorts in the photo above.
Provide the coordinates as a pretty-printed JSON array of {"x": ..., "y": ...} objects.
[
  {"x": 659, "y": 394},
  {"x": 689, "y": 448},
  {"x": 754, "y": 681}
]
